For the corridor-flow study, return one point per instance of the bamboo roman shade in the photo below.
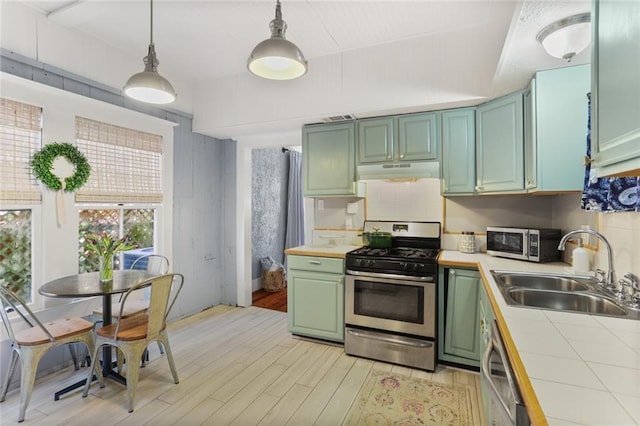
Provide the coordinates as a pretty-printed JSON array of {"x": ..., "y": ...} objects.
[
  {"x": 125, "y": 163},
  {"x": 20, "y": 138}
]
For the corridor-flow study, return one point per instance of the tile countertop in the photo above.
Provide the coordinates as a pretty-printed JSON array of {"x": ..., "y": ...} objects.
[
  {"x": 326, "y": 250},
  {"x": 580, "y": 369}
]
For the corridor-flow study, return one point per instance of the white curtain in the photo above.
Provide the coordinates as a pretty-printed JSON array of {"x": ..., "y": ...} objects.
[{"x": 295, "y": 203}]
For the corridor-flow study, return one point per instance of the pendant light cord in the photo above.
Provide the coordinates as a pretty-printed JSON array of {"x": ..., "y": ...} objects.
[{"x": 151, "y": 26}]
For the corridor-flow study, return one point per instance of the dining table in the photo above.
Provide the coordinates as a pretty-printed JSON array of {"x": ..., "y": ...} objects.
[{"x": 89, "y": 285}]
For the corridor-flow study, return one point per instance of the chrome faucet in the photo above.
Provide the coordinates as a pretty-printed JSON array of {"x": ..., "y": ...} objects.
[{"x": 609, "y": 282}]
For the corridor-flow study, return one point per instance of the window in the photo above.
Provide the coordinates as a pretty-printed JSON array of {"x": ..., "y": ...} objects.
[
  {"x": 126, "y": 168},
  {"x": 135, "y": 223},
  {"x": 20, "y": 138}
]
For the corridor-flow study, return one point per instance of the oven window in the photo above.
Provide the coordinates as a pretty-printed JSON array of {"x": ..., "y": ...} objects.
[
  {"x": 389, "y": 301},
  {"x": 505, "y": 242}
]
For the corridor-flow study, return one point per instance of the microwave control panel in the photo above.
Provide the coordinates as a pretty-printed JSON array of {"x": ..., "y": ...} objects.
[{"x": 533, "y": 244}]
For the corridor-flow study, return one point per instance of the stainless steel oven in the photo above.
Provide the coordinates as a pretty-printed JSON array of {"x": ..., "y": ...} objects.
[
  {"x": 390, "y": 296},
  {"x": 506, "y": 406},
  {"x": 400, "y": 304}
]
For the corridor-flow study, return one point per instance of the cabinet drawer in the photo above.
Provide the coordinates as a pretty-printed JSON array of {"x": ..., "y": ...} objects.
[{"x": 316, "y": 264}]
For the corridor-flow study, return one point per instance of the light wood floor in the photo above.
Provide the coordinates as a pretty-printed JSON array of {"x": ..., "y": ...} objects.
[{"x": 237, "y": 366}]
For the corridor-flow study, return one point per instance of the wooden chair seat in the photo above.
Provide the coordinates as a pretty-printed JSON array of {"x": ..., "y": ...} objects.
[
  {"x": 131, "y": 328},
  {"x": 59, "y": 329}
]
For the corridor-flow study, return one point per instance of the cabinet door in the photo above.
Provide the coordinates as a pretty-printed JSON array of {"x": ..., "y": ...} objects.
[
  {"x": 315, "y": 304},
  {"x": 376, "y": 140},
  {"x": 461, "y": 321},
  {"x": 561, "y": 127},
  {"x": 458, "y": 151},
  {"x": 530, "y": 149},
  {"x": 499, "y": 145},
  {"x": 417, "y": 137},
  {"x": 615, "y": 137},
  {"x": 328, "y": 159}
]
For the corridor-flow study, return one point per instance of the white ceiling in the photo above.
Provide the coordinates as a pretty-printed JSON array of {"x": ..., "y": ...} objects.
[{"x": 211, "y": 39}]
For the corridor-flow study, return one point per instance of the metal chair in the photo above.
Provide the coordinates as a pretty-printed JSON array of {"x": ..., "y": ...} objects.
[
  {"x": 32, "y": 343},
  {"x": 132, "y": 335},
  {"x": 153, "y": 263}
]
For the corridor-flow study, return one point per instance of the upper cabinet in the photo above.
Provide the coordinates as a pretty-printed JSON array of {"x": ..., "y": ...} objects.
[
  {"x": 458, "y": 151},
  {"x": 411, "y": 137},
  {"x": 328, "y": 160},
  {"x": 499, "y": 145},
  {"x": 615, "y": 136},
  {"x": 555, "y": 129}
]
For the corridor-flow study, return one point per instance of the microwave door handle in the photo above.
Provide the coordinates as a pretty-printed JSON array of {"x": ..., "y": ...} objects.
[
  {"x": 525, "y": 244},
  {"x": 484, "y": 370}
]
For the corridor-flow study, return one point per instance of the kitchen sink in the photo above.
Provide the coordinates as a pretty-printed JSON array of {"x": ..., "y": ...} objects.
[
  {"x": 559, "y": 292},
  {"x": 544, "y": 282},
  {"x": 566, "y": 301}
]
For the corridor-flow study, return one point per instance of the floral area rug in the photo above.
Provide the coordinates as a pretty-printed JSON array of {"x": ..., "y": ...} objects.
[{"x": 394, "y": 399}]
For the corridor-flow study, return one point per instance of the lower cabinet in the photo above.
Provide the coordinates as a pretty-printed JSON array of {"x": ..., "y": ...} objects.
[
  {"x": 315, "y": 297},
  {"x": 459, "y": 316}
]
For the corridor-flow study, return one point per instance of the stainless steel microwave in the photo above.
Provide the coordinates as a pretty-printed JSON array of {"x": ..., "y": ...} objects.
[{"x": 534, "y": 245}]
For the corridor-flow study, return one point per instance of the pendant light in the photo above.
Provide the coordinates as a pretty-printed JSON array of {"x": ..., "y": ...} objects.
[
  {"x": 567, "y": 37},
  {"x": 149, "y": 86},
  {"x": 277, "y": 58}
]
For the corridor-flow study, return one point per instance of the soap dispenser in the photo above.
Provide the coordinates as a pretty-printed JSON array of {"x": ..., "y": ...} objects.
[{"x": 580, "y": 259}]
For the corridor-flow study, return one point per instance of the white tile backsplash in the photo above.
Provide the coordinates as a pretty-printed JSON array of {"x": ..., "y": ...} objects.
[{"x": 409, "y": 201}]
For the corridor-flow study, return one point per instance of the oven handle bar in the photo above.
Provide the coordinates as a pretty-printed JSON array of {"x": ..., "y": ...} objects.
[
  {"x": 395, "y": 339},
  {"x": 390, "y": 276},
  {"x": 495, "y": 344}
]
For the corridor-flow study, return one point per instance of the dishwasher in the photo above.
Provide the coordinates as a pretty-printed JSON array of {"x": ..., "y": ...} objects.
[{"x": 496, "y": 376}]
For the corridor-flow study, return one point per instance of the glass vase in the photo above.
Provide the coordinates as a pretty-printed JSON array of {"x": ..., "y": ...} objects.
[{"x": 106, "y": 268}]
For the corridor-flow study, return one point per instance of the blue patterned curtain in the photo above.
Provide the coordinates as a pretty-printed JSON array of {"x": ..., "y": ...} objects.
[{"x": 608, "y": 194}]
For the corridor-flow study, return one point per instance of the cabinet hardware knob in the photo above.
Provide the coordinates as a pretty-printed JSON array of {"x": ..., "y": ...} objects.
[
  {"x": 401, "y": 156},
  {"x": 452, "y": 272}
]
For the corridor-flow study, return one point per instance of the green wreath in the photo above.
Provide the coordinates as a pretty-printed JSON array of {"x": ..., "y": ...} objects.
[{"x": 42, "y": 163}]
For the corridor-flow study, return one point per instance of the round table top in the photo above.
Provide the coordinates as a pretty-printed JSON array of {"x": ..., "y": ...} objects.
[{"x": 87, "y": 285}]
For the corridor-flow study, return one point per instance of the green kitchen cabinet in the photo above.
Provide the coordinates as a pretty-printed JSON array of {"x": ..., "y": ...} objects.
[
  {"x": 615, "y": 135},
  {"x": 328, "y": 160},
  {"x": 555, "y": 129},
  {"x": 458, "y": 151},
  {"x": 410, "y": 137},
  {"x": 500, "y": 145},
  {"x": 315, "y": 297},
  {"x": 459, "y": 316}
]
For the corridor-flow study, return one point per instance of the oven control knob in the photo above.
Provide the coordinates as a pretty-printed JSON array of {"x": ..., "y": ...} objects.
[
  {"x": 417, "y": 266},
  {"x": 405, "y": 266},
  {"x": 370, "y": 262},
  {"x": 359, "y": 262}
]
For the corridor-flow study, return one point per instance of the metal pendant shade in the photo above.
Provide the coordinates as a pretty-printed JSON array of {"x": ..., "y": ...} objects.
[
  {"x": 149, "y": 86},
  {"x": 277, "y": 58}
]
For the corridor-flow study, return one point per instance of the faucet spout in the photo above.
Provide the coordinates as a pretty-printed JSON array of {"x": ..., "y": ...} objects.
[{"x": 610, "y": 280}]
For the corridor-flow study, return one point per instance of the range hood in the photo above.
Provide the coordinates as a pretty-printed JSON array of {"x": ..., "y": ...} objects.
[{"x": 428, "y": 169}]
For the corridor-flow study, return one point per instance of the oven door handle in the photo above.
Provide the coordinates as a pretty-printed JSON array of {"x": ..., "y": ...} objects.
[
  {"x": 485, "y": 369},
  {"x": 391, "y": 276}
]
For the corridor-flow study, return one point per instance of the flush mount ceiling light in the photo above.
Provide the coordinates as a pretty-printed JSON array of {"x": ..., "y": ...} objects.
[
  {"x": 276, "y": 58},
  {"x": 567, "y": 37},
  {"x": 149, "y": 86}
]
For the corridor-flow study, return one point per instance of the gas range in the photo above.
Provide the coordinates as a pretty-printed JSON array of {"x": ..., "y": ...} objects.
[
  {"x": 390, "y": 296},
  {"x": 414, "y": 251}
]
